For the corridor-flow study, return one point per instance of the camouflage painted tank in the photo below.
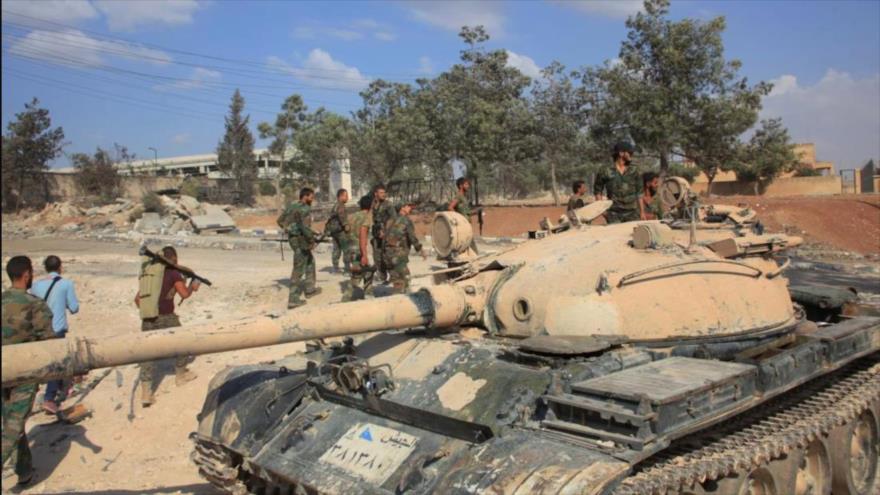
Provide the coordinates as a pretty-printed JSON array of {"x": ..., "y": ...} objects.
[{"x": 630, "y": 359}]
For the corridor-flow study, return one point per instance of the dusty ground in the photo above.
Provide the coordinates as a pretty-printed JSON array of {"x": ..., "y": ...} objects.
[{"x": 124, "y": 449}]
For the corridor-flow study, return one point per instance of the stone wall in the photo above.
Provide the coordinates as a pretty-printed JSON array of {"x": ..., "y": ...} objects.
[{"x": 792, "y": 186}]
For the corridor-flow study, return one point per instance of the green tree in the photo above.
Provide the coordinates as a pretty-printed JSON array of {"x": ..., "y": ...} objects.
[
  {"x": 394, "y": 135},
  {"x": 325, "y": 137},
  {"x": 235, "y": 152},
  {"x": 768, "y": 153},
  {"x": 288, "y": 122},
  {"x": 673, "y": 91},
  {"x": 29, "y": 145},
  {"x": 97, "y": 175}
]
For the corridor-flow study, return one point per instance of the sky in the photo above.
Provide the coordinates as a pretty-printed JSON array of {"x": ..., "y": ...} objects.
[{"x": 160, "y": 74}]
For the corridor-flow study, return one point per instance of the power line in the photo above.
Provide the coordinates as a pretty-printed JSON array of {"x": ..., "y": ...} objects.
[
  {"x": 260, "y": 65},
  {"x": 68, "y": 63}
]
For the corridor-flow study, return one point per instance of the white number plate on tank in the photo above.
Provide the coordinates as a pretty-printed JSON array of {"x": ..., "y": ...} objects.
[{"x": 371, "y": 452}]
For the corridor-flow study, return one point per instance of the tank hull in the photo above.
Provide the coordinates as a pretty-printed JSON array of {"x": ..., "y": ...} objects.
[{"x": 473, "y": 414}]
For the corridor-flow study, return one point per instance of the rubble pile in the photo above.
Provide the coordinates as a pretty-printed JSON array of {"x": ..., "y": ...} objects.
[{"x": 183, "y": 215}]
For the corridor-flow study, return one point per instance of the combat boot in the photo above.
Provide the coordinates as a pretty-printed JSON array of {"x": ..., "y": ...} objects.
[
  {"x": 147, "y": 398},
  {"x": 295, "y": 303},
  {"x": 313, "y": 292},
  {"x": 183, "y": 375}
]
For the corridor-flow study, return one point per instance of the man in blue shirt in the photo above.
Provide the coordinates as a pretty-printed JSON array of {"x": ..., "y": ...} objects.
[{"x": 60, "y": 297}]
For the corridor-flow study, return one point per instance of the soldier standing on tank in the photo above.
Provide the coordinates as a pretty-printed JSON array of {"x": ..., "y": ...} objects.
[
  {"x": 335, "y": 228},
  {"x": 400, "y": 236},
  {"x": 649, "y": 201},
  {"x": 357, "y": 241},
  {"x": 173, "y": 284},
  {"x": 460, "y": 203},
  {"x": 382, "y": 211},
  {"x": 26, "y": 318},
  {"x": 621, "y": 184},
  {"x": 297, "y": 221},
  {"x": 578, "y": 189}
]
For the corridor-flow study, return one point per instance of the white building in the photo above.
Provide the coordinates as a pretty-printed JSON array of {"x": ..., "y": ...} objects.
[{"x": 201, "y": 165}]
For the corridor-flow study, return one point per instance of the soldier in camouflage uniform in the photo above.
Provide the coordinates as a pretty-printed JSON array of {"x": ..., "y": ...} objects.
[
  {"x": 621, "y": 184},
  {"x": 460, "y": 203},
  {"x": 382, "y": 210},
  {"x": 335, "y": 228},
  {"x": 578, "y": 189},
  {"x": 297, "y": 222},
  {"x": 400, "y": 236},
  {"x": 26, "y": 318},
  {"x": 356, "y": 241},
  {"x": 649, "y": 201}
]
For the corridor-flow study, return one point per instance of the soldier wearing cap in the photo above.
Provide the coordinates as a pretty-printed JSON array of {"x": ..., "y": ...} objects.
[
  {"x": 621, "y": 183},
  {"x": 400, "y": 236}
]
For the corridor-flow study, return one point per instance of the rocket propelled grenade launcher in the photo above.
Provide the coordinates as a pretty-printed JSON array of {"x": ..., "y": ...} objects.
[{"x": 187, "y": 272}]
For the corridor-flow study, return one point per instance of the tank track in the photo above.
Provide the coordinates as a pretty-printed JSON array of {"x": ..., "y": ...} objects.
[
  {"x": 757, "y": 437},
  {"x": 218, "y": 466}
]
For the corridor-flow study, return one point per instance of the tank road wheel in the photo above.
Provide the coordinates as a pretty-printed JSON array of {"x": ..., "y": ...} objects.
[
  {"x": 813, "y": 476},
  {"x": 759, "y": 481},
  {"x": 854, "y": 452}
]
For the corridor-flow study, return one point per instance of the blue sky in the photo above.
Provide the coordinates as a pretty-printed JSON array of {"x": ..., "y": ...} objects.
[{"x": 160, "y": 74}]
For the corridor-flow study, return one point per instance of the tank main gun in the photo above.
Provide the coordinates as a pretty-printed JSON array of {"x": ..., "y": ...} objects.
[{"x": 440, "y": 306}]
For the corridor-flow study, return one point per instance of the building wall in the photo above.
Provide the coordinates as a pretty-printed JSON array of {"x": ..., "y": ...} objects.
[{"x": 792, "y": 186}]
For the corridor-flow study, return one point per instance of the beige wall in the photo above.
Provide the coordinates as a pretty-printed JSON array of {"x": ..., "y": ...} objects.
[
  {"x": 63, "y": 186},
  {"x": 793, "y": 186}
]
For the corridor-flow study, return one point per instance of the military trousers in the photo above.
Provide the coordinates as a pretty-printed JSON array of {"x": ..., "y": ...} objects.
[
  {"x": 621, "y": 216},
  {"x": 398, "y": 268},
  {"x": 360, "y": 280},
  {"x": 148, "y": 369},
  {"x": 379, "y": 259},
  {"x": 339, "y": 252},
  {"x": 302, "y": 278},
  {"x": 17, "y": 404}
]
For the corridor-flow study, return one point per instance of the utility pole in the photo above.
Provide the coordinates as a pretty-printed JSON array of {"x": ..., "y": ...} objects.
[{"x": 155, "y": 160}]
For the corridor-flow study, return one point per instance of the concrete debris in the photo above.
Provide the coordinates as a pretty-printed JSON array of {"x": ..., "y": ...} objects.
[
  {"x": 215, "y": 219},
  {"x": 150, "y": 223}
]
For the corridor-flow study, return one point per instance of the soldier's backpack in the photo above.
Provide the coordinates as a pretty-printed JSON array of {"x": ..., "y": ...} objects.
[{"x": 150, "y": 287}]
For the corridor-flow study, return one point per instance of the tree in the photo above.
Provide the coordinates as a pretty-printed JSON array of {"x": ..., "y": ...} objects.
[
  {"x": 559, "y": 115},
  {"x": 672, "y": 86},
  {"x": 287, "y": 123},
  {"x": 235, "y": 152},
  {"x": 394, "y": 134},
  {"x": 768, "y": 153},
  {"x": 325, "y": 137},
  {"x": 98, "y": 175},
  {"x": 28, "y": 146}
]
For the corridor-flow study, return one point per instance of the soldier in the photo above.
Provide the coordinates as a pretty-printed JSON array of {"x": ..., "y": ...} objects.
[
  {"x": 399, "y": 237},
  {"x": 620, "y": 184},
  {"x": 26, "y": 318},
  {"x": 649, "y": 201},
  {"x": 578, "y": 188},
  {"x": 460, "y": 202},
  {"x": 297, "y": 221},
  {"x": 335, "y": 228},
  {"x": 382, "y": 211},
  {"x": 156, "y": 307},
  {"x": 356, "y": 243}
]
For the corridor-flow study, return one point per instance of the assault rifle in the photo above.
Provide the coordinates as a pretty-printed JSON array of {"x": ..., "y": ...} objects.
[
  {"x": 283, "y": 238},
  {"x": 187, "y": 272}
]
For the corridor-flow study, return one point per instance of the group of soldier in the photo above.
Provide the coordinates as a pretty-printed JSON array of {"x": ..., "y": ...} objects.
[
  {"x": 633, "y": 195},
  {"x": 377, "y": 223}
]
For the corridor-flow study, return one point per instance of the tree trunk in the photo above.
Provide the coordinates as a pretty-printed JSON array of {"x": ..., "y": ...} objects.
[
  {"x": 711, "y": 178},
  {"x": 553, "y": 182},
  {"x": 664, "y": 164},
  {"x": 757, "y": 187},
  {"x": 279, "y": 202}
]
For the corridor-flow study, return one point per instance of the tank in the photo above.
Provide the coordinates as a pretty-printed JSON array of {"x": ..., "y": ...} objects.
[{"x": 636, "y": 358}]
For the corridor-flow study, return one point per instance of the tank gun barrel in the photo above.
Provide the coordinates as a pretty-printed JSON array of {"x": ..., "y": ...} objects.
[{"x": 439, "y": 306}]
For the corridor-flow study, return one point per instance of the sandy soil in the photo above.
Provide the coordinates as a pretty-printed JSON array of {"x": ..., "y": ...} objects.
[{"x": 124, "y": 448}]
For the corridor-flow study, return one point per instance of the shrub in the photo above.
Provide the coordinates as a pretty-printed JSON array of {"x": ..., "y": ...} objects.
[
  {"x": 152, "y": 202},
  {"x": 190, "y": 187},
  {"x": 267, "y": 189},
  {"x": 686, "y": 173}
]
